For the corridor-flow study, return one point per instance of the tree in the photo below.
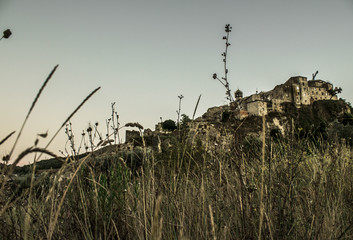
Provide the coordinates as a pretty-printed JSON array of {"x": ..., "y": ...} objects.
[
  {"x": 334, "y": 92},
  {"x": 169, "y": 125},
  {"x": 185, "y": 120}
]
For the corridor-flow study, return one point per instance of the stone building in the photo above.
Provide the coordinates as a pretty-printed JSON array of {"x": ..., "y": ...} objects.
[
  {"x": 297, "y": 90},
  {"x": 131, "y": 135}
]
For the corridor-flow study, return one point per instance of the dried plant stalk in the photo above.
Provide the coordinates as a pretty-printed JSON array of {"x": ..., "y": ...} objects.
[{"x": 31, "y": 108}]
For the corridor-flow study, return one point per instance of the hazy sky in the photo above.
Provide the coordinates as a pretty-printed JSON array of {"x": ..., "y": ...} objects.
[{"x": 145, "y": 53}]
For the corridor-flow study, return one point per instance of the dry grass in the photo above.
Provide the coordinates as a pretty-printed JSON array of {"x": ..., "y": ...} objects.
[
  {"x": 309, "y": 196},
  {"x": 270, "y": 189},
  {"x": 19, "y": 205}
]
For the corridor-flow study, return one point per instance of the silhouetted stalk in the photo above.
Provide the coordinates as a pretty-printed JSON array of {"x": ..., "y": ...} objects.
[
  {"x": 18, "y": 159},
  {"x": 224, "y": 80},
  {"x": 31, "y": 108},
  {"x": 178, "y": 112},
  {"x": 69, "y": 117},
  {"x": 53, "y": 221},
  {"x": 71, "y": 137},
  {"x": 117, "y": 127},
  {"x": 197, "y": 104},
  {"x": 262, "y": 175},
  {"x": 7, "y": 137},
  {"x": 113, "y": 122}
]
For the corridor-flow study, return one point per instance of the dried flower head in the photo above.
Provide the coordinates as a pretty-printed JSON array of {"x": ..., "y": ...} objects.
[
  {"x": 228, "y": 28},
  {"x": 136, "y": 124},
  {"x": 7, "y": 33},
  {"x": 43, "y": 135},
  {"x": 6, "y": 158}
]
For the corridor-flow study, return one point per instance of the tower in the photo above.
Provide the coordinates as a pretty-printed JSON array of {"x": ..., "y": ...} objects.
[{"x": 238, "y": 95}]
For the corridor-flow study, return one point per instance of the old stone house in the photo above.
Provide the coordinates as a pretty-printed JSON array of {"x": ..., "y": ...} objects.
[{"x": 297, "y": 90}]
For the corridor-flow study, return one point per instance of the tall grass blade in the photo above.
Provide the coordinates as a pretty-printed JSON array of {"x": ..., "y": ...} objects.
[
  {"x": 18, "y": 159},
  {"x": 197, "y": 104},
  {"x": 262, "y": 175},
  {"x": 31, "y": 108},
  {"x": 7, "y": 137},
  {"x": 52, "y": 223},
  {"x": 70, "y": 116}
]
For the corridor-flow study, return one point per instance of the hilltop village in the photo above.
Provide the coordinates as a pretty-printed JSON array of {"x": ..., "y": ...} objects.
[
  {"x": 297, "y": 90},
  {"x": 297, "y": 106}
]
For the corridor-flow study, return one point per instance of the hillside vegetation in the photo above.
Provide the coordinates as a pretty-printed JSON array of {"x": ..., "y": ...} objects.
[{"x": 296, "y": 186}]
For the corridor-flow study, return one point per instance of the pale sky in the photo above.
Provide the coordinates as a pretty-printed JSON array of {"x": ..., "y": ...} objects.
[{"x": 145, "y": 53}]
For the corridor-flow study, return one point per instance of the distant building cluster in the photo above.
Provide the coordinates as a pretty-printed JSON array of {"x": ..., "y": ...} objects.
[{"x": 297, "y": 90}]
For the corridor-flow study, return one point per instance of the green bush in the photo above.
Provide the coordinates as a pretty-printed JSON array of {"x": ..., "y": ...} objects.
[
  {"x": 169, "y": 125},
  {"x": 184, "y": 121}
]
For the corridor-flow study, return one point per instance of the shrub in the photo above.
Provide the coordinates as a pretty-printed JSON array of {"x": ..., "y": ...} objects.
[
  {"x": 185, "y": 120},
  {"x": 169, "y": 125}
]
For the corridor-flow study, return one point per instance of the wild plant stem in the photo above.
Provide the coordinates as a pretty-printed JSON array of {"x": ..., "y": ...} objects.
[
  {"x": 262, "y": 175},
  {"x": 197, "y": 104},
  {"x": 31, "y": 108},
  {"x": 70, "y": 116}
]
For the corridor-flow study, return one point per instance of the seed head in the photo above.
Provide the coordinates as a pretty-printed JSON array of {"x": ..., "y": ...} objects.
[
  {"x": 228, "y": 28},
  {"x": 43, "y": 135},
  {"x": 7, "y": 33}
]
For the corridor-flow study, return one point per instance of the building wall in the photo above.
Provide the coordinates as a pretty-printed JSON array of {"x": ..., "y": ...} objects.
[
  {"x": 276, "y": 105},
  {"x": 257, "y": 108},
  {"x": 281, "y": 92},
  {"x": 241, "y": 114}
]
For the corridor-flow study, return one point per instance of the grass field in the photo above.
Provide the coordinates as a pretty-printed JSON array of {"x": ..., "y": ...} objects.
[
  {"x": 297, "y": 187},
  {"x": 279, "y": 190}
]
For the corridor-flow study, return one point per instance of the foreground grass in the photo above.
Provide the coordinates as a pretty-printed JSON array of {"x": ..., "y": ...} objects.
[{"x": 192, "y": 193}]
